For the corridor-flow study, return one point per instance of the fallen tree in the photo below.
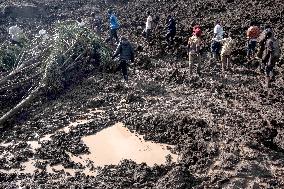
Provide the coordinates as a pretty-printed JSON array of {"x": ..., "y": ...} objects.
[{"x": 44, "y": 67}]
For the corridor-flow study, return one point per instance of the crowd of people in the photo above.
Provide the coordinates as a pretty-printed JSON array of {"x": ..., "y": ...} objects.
[{"x": 261, "y": 45}]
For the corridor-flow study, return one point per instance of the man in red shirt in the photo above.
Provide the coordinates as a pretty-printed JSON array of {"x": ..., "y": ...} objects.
[{"x": 252, "y": 35}]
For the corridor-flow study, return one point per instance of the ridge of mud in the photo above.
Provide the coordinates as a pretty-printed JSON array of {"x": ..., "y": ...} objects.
[{"x": 227, "y": 129}]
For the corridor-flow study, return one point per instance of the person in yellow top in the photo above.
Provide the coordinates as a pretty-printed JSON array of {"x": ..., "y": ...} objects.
[
  {"x": 194, "y": 48},
  {"x": 228, "y": 45}
]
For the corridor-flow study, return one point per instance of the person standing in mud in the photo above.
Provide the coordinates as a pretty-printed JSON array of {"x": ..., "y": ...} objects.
[
  {"x": 149, "y": 25},
  {"x": 270, "y": 56},
  {"x": 216, "y": 41},
  {"x": 227, "y": 47},
  {"x": 126, "y": 52},
  {"x": 97, "y": 22},
  {"x": 261, "y": 41},
  {"x": 194, "y": 49},
  {"x": 16, "y": 35},
  {"x": 171, "y": 27},
  {"x": 114, "y": 26},
  {"x": 252, "y": 35}
]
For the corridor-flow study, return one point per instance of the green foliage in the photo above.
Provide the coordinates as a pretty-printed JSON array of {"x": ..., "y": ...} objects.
[
  {"x": 69, "y": 39},
  {"x": 9, "y": 56},
  {"x": 68, "y": 43}
]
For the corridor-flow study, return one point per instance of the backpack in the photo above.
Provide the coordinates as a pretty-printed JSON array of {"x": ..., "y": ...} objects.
[{"x": 253, "y": 32}]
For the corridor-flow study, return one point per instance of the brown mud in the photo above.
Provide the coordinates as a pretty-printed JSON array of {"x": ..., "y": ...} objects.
[{"x": 226, "y": 129}]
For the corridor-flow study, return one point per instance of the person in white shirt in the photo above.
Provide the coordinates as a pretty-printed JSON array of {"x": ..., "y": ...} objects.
[
  {"x": 43, "y": 34},
  {"x": 149, "y": 24},
  {"x": 16, "y": 34},
  {"x": 216, "y": 41},
  {"x": 218, "y": 30}
]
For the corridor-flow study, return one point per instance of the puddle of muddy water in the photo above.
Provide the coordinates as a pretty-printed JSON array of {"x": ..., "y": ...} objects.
[
  {"x": 116, "y": 143},
  {"x": 107, "y": 147}
]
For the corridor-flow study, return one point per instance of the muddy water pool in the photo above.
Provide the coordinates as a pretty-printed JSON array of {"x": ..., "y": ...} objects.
[{"x": 107, "y": 147}]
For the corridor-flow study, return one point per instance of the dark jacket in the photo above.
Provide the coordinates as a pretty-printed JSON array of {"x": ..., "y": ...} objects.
[
  {"x": 268, "y": 57},
  {"x": 125, "y": 50},
  {"x": 171, "y": 25}
]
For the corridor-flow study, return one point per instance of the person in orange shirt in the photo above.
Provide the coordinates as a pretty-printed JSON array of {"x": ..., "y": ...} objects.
[{"x": 252, "y": 35}]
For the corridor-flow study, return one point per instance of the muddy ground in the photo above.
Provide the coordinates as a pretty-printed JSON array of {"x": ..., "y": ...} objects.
[{"x": 227, "y": 129}]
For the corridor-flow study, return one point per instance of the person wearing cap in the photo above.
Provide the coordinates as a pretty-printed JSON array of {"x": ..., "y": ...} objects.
[
  {"x": 114, "y": 26},
  {"x": 194, "y": 49},
  {"x": 126, "y": 54}
]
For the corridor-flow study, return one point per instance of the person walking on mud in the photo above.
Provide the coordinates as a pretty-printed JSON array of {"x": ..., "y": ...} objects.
[
  {"x": 194, "y": 49},
  {"x": 126, "y": 52},
  {"x": 114, "y": 26},
  {"x": 228, "y": 45},
  {"x": 261, "y": 42},
  {"x": 98, "y": 22},
  {"x": 252, "y": 35},
  {"x": 16, "y": 35},
  {"x": 216, "y": 41},
  {"x": 149, "y": 25},
  {"x": 171, "y": 27},
  {"x": 270, "y": 55}
]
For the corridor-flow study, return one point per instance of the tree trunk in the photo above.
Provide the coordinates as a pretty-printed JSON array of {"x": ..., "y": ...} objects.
[{"x": 35, "y": 93}]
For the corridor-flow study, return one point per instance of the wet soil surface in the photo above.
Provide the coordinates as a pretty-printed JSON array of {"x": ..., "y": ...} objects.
[{"x": 211, "y": 131}]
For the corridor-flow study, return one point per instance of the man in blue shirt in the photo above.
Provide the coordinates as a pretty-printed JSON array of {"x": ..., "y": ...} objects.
[{"x": 114, "y": 26}]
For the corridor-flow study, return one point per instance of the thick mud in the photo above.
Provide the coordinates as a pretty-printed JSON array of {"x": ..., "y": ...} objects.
[{"x": 221, "y": 130}]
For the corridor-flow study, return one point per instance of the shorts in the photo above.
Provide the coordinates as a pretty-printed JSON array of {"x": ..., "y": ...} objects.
[{"x": 216, "y": 47}]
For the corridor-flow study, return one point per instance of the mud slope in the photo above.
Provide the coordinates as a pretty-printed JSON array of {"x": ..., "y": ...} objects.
[{"x": 226, "y": 128}]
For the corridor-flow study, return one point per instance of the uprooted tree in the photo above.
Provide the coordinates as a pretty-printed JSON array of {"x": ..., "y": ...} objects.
[{"x": 44, "y": 65}]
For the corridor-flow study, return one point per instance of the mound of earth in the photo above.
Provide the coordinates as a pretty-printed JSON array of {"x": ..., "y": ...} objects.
[{"x": 227, "y": 128}]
